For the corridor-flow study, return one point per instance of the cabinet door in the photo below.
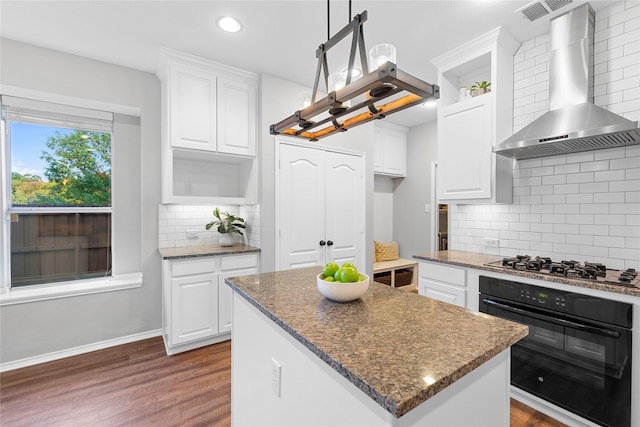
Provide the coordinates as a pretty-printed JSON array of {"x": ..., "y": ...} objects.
[
  {"x": 301, "y": 207},
  {"x": 194, "y": 308},
  {"x": 236, "y": 117},
  {"x": 192, "y": 108},
  {"x": 464, "y": 150},
  {"x": 225, "y": 298},
  {"x": 344, "y": 204},
  {"x": 395, "y": 153}
]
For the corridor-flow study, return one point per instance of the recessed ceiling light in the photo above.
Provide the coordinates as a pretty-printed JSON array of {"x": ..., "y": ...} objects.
[{"x": 229, "y": 24}]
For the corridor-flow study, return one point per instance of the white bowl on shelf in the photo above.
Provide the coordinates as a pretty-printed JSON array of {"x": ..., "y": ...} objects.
[{"x": 343, "y": 292}]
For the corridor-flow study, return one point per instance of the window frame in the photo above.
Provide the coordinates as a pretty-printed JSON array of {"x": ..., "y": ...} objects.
[{"x": 24, "y": 294}]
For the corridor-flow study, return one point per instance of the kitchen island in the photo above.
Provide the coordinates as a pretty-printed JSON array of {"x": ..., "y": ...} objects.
[{"x": 391, "y": 358}]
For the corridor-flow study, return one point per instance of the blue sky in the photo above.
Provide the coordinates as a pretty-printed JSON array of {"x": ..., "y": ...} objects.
[{"x": 27, "y": 143}]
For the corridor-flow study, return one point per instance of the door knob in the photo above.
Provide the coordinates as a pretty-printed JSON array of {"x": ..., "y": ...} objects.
[
  {"x": 322, "y": 243},
  {"x": 329, "y": 243}
]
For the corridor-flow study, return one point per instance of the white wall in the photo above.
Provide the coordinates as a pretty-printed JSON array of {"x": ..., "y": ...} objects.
[
  {"x": 411, "y": 224},
  {"x": 279, "y": 99},
  {"x": 39, "y": 328},
  {"x": 584, "y": 206},
  {"x": 383, "y": 208}
]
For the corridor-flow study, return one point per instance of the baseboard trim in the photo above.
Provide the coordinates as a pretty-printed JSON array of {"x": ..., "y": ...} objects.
[{"x": 49, "y": 357}]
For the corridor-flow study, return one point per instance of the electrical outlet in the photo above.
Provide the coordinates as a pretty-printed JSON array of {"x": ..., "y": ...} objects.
[
  {"x": 188, "y": 187},
  {"x": 276, "y": 372},
  {"x": 492, "y": 243},
  {"x": 191, "y": 234}
]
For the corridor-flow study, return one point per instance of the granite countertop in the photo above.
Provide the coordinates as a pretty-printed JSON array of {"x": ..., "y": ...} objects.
[
  {"x": 205, "y": 250},
  {"x": 389, "y": 343},
  {"x": 479, "y": 261}
]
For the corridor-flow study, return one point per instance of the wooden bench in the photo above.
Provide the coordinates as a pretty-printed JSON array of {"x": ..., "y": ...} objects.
[{"x": 393, "y": 266}]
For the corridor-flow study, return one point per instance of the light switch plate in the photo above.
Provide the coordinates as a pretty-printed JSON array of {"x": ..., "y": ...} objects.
[{"x": 427, "y": 208}]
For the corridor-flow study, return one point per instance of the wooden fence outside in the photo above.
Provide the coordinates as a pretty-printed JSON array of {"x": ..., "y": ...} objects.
[{"x": 53, "y": 247}]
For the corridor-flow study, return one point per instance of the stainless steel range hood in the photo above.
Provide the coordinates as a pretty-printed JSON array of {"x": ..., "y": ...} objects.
[{"x": 573, "y": 123}]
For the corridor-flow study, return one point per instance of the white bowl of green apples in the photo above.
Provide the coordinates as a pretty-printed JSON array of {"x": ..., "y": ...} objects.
[{"x": 342, "y": 283}]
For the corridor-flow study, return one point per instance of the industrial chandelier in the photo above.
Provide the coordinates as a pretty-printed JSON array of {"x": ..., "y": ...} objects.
[{"x": 335, "y": 112}]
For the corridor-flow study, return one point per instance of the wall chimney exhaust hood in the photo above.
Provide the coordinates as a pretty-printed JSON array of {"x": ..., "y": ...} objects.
[{"x": 573, "y": 123}]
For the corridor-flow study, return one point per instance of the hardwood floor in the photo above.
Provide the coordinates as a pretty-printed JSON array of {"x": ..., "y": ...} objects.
[{"x": 138, "y": 385}]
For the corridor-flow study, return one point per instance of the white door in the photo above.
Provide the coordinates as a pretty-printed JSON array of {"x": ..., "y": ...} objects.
[
  {"x": 300, "y": 207},
  {"x": 345, "y": 208},
  {"x": 320, "y": 213}
]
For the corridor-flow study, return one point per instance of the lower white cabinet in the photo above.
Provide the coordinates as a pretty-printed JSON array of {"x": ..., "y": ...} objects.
[
  {"x": 197, "y": 304},
  {"x": 442, "y": 282}
]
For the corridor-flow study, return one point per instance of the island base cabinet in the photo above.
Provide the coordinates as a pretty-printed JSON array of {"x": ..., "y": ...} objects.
[{"x": 313, "y": 393}]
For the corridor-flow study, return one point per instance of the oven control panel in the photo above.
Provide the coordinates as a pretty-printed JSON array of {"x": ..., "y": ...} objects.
[{"x": 542, "y": 298}]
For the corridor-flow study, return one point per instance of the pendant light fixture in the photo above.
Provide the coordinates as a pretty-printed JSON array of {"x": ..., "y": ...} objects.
[{"x": 351, "y": 103}]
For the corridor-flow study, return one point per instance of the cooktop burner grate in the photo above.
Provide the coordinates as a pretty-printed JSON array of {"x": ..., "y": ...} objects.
[{"x": 592, "y": 271}]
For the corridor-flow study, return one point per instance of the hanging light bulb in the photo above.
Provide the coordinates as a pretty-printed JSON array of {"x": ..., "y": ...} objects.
[
  {"x": 381, "y": 53},
  {"x": 305, "y": 98}
]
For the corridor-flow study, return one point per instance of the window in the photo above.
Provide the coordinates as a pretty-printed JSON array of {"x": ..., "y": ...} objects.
[{"x": 58, "y": 194}]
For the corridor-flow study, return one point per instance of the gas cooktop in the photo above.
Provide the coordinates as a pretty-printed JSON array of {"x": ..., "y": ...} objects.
[{"x": 571, "y": 269}]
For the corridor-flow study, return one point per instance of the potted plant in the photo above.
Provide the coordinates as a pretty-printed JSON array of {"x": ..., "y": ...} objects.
[
  {"x": 226, "y": 225},
  {"x": 480, "y": 88}
]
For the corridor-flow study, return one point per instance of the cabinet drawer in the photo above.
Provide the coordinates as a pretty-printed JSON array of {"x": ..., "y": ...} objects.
[
  {"x": 193, "y": 266},
  {"x": 442, "y": 292},
  {"x": 443, "y": 273},
  {"x": 234, "y": 262}
]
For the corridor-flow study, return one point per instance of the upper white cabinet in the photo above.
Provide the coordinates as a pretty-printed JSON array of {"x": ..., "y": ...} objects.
[
  {"x": 468, "y": 127},
  {"x": 192, "y": 108},
  {"x": 209, "y": 116},
  {"x": 390, "y": 151}
]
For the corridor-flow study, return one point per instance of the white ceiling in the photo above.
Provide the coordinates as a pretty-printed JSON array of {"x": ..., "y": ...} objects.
[{"x": 278, "y": 37}]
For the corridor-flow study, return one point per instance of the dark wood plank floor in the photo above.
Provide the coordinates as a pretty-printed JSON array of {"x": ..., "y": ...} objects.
[{"x": 138, "y": 385}]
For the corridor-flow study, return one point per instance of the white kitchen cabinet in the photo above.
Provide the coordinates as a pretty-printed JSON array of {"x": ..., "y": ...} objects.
[
  {"x": 442, "y": 282},
  {"x": 320, "y": 206},
  {"x": 390, "y": 149},
  {"x": 232, "y": 266},
  {"x": 192, "y": 107},
  {"x": 197, "y": 304},
  {"x": 236, "y": 117},
  {"x": 468, "y": 171},
  {"x": 209, "y": 116},
  {"x": 466, "y": 162}
]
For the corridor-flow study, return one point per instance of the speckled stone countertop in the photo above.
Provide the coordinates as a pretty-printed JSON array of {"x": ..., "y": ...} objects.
[
  {"x": 205, "y": 250},
  {"x": 479, "y": 261},
  {"x": 387, "y": 342}
]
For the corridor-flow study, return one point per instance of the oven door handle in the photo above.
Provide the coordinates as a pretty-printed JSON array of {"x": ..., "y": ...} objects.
[{"x": 554, "y": 320}]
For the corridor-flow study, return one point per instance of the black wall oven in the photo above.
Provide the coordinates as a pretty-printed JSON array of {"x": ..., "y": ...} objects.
[{"x": 578, "y": 351}]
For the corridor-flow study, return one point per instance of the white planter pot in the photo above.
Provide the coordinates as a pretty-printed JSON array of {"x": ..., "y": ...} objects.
[{"x": 225, "y": 239}]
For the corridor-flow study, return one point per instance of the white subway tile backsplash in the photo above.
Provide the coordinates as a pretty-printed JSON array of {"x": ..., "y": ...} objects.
[
  {"x": 628, "y": 185},
  {"x": 554, "y": 179},
  {"x": 177, "y": 219},
  {"x": 578, "y": 178},
  {"x": 566, "y": 188},
  {"x": 580, "y": 198},
  {"x": 596, "y": 187}
]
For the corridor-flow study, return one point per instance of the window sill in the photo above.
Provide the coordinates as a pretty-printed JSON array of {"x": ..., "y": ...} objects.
[{"x": 69, "y": 289}]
